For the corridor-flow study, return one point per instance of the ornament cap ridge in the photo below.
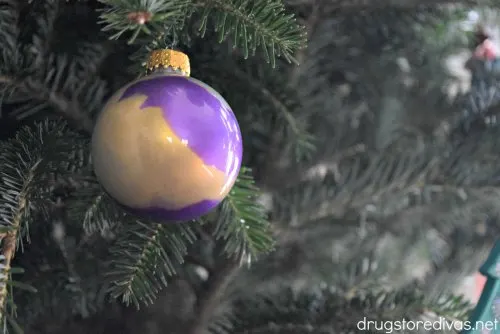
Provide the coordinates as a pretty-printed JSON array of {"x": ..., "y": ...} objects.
[{"x": 168, "y": 58}]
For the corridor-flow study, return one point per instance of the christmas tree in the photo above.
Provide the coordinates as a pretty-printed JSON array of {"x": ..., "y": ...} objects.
[{"x": 367, "y": 189}]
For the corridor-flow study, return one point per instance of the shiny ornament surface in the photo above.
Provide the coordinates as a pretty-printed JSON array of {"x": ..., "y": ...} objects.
[{"x": 167, "y": 147}]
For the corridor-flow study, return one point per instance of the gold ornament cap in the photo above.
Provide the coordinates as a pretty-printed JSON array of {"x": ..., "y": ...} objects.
[{"x": 169, "y": 59}]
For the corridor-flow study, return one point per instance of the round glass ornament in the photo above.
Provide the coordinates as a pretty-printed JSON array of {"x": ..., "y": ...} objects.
[{"x": 167, "y": 146}]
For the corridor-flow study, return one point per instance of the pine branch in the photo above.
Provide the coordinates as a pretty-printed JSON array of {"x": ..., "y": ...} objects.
[
  {"x": 252, "y": 25},
  {"x": 35, "y": 78},
  {"x": 325, "y": 311},
  {"x": 243, "y": 233},
  {"x": 150, "y": 17},
  {"x": 310, "y": 27},
  {"x": 38, "y": 94},
  {"x": 242, "y": 223},
  {"x": 144, "y": 256},
  {"x": 354, "y": 181},
  {"x": 26, "y": 162},
  {"x": 209, "y": 298},
  {"x": 90, "y": 205},
  {"x": 9, "y": 31},
  {"x": 9, "y": 243},
  {"x": 296, "y": 133},
  {"x": 258, "y": 24},
  {"x": 358, "y": 4}
]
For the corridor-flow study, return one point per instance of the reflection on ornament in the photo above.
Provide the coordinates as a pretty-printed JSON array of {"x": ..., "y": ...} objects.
[{"x": 168, "y": 147}]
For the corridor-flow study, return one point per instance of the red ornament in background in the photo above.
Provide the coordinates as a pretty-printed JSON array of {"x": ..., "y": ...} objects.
[
  {"x": 486, "y": 51},
  {"x": 479, "y": 284},
  {"x": 485, "y": 48},
  {"x": 485, "y": 59}
]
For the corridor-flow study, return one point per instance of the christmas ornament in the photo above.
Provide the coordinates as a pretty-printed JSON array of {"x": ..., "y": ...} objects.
[
  {"x": 485, "y": 61},
  {"x": 167, "y": 146},
  {"x": 486, "y": 316},
  {"x": 487, "y": 51}
]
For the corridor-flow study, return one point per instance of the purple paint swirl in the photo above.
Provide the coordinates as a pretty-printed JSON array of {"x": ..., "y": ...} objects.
[{"x": 197, "y": 114}]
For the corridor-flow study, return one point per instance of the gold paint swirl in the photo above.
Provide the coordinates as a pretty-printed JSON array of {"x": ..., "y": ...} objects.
[{"x": 142, "y": 163}]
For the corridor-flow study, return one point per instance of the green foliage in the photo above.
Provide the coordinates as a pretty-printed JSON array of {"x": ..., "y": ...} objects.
[
  {"x": 34, "y": 77},
  {"x": 292, "y": 128},
  {"x": 255, "y": 24},
  {"x": 323, "y": 310},
  {"x": 362, "y": 176},
  {"x": 143, "y": 257},
  {"x": 9, "y": 322},
  {"x": 146, "y": 254},
  {"x": 92, "y": 206},
  {"x": 28, "y": 164},
  {"x": 116, "y": 16},
  {"x": 242, "y": 223},
  {"x": 251, "y": 25},
  {"x": 8, "y": 29}
]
